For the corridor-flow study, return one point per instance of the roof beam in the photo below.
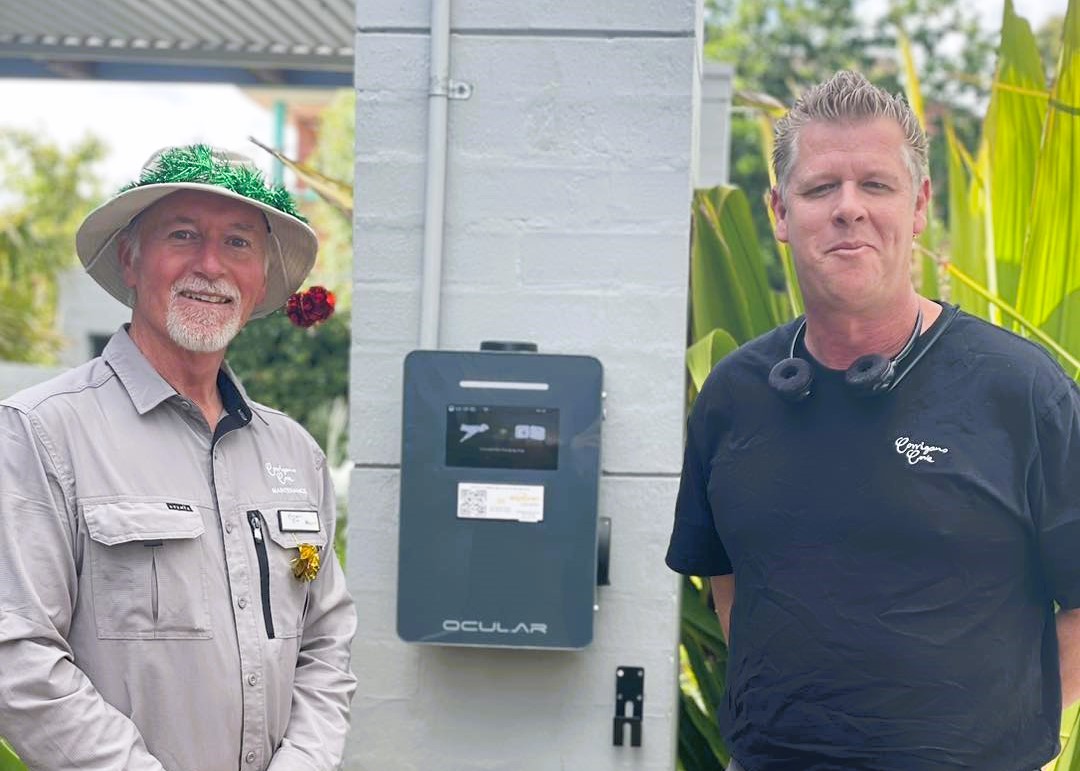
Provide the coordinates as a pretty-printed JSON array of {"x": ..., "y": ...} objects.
[
  {"x": 70, "y": 70},
  {"x": 192, "y": 72},
  {"x": 161, "y": 53},
  {"x": 269, "y": 77}
]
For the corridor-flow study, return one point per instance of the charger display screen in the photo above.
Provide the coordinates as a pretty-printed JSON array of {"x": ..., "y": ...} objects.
[{"x": 480, "y": 436}]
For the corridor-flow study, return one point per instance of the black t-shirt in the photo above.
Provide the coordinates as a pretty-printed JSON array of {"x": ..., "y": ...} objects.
[{"x": 896, "y": 557}]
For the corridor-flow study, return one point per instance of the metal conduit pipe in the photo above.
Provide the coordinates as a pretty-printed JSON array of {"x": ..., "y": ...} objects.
[{"x": 435, "y": 190}]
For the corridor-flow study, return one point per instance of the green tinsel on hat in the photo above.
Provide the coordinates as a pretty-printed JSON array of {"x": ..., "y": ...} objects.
[{"x": 198, "y": 164}]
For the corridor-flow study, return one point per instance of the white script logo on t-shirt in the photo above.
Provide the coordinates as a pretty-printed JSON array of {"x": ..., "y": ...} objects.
[{"x": 917, "y": 451}]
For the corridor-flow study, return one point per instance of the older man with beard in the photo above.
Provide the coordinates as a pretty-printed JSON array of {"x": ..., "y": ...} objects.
[{"x": 169, "y": 596}]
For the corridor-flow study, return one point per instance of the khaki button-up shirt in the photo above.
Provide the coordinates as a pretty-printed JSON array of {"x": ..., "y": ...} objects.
[{"x": 149, "y": 614}]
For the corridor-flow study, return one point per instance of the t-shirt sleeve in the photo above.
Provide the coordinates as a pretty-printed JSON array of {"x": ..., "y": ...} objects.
[
  {"x": 1055, "y": 496},
  {"x": 695, "y": 548}
]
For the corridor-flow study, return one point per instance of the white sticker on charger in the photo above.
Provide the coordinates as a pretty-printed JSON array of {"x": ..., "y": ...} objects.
[{"x": 517, "y": 503}]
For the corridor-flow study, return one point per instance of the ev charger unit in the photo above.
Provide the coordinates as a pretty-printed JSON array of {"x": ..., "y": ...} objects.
[{"x": 500, "y": 468}]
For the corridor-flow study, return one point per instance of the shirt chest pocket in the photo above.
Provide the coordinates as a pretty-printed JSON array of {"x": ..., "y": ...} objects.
[
  {"x": 286, "y": 562},
  {"x": 147, "y": 570}
]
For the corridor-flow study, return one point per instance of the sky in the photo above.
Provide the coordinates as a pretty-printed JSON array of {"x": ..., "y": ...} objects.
[
  {"x": 1035, "y": 11},
  {"x": 136, "y": 119}
]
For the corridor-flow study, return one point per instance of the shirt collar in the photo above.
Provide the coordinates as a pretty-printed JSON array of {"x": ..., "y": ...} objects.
[
  {"x": 144, "y": 385},
  {"x": 232, "y": 390},
  {"x": 233, "y": 397},
  {"x": 148, "y": 389}
]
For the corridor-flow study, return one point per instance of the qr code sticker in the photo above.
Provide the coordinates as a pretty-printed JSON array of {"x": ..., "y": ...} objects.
[
  {"x": 472, "y": 502},
  {"x": 511, "y": 503}
]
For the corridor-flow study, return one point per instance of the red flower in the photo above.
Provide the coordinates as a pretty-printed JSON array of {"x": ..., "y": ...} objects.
[{"x": 310, "y": 307}]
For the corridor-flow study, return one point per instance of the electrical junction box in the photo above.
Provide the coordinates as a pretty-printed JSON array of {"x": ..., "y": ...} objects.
[{"x": 500, "y": 468}]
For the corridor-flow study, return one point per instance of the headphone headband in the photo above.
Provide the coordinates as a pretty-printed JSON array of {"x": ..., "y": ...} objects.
[{"x": 868, "y": 375}]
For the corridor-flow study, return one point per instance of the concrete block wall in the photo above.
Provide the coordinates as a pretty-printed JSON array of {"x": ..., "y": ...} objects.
[
  {"x": 714, "y": 140},
  {"x": 567, "y": 223},
  {"x": 86, "y": 310}
]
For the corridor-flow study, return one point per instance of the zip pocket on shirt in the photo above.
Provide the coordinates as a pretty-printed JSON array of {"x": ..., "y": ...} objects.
[
  {"x": 255, "y": 519},
  {"x": 289, "y": 593}
]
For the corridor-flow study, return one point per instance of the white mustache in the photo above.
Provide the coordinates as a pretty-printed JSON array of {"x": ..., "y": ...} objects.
[{"x": 202, "y": 286}]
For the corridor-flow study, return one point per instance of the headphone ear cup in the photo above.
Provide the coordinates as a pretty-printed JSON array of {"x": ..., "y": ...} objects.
[
  {"x": 792, "y": 379},
  {"x": 870, "y": 374}
]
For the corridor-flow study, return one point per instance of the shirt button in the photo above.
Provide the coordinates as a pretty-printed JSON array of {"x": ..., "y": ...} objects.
[
  {"x": 253, "y": 679},
  {"x": 250, "y": 757},
  {"x": 242, "y": 602},
  {"x": 228, "y": 527}
]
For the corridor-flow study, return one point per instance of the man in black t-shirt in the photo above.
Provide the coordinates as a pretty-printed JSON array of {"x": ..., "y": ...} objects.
[{"x": 893, "y": 550}]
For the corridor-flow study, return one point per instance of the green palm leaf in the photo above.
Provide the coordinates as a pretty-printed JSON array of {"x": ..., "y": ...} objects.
[
  {"x": 1022, "y": 323},
  {"x": 1012, "y": 134},
  {"x": 9, "y": 761},
  {"x": 703, "y": 355},
  {"x": 967, "y": 224},
  {"x": 700, "y": 748},
  {"x": 1049, "y": 288},
  {"x": 1069, "y": 758},
  {"x": 926, "y": 275},
  {"x": 729, "y": 289}
]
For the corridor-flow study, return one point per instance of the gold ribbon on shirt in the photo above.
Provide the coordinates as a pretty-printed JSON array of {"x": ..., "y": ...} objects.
[{"x": 306, "y": 566}]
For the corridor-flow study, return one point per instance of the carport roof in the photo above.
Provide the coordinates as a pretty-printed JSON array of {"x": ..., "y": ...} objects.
[{"x": 246, "y": 42}]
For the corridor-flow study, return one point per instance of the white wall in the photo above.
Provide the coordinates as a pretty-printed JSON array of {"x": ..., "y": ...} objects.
[
  {"x": 714, "y": 139},
  {"x": 15, "y": 377},
  {"x": 85, "y": 309},
  {"x": 569, "y": 189}
]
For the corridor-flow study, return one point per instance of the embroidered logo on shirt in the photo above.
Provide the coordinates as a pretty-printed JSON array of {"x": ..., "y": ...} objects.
[
  {"x": 915, "y": 452},
  {"x": 284, "y": 476},
  {"x": 177, "y": 506}
]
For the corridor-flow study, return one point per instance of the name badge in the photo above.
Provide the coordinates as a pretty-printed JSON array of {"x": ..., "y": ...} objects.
[{"x": 295, "y": 521}]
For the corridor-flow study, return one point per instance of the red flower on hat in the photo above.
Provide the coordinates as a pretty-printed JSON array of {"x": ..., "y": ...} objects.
[{"x": 307, "y": 308}]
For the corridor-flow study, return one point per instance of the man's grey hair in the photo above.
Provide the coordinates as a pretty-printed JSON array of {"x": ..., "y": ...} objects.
[
  {"x": 129, "y": 237},
  {"x": 848, "y": 97}
]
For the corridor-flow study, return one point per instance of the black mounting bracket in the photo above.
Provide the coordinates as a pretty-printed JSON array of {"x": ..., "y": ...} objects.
[{"x": 629, "y": 703}]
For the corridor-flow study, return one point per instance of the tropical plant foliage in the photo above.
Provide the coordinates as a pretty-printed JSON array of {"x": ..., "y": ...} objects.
[
  {"x": 1015, "y": 201},
  {"x": 731, "y": 300},
  {"x": 731, "y": 303},
  {"x": 1016, "y": 223},
  {"x": 328, "y": 174},
  {"x": 9, "y": 761},
  {"x": 47, "y": 193},
  {"x": 301, "y": 372},
  {"x": 779, "y": 46}
]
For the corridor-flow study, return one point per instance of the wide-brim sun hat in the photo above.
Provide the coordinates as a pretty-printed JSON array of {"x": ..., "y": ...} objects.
[{"x": 291, "y": 244}]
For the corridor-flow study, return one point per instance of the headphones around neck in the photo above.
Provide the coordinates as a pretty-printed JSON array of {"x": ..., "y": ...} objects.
[{"x": 869, "y": 375}]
